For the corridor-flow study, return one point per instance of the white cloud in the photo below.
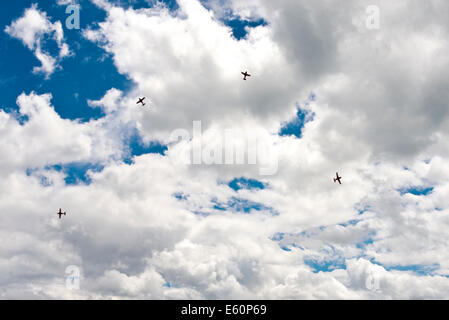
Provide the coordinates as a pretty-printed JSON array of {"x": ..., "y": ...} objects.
[
  {"x": 45, "y": 139},
  {"x": 31, "y": 29},
  {"x": 379, "y": 109}
]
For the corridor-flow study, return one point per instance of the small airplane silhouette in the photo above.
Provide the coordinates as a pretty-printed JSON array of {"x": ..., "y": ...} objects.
[
  {"x": 337, "y": 179},
  {"x": 245, "y": 74},
  {"x": 60, "y": 213},
  {"x": 141, "y": 101}
]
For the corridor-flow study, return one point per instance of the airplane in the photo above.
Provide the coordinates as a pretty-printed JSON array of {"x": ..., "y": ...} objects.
[
  {"x": 337, "y": 179},
  {"x": 141, "y": 101},
  {"x": 61, "y": 213},
  {"x": 245, "y": 74}
]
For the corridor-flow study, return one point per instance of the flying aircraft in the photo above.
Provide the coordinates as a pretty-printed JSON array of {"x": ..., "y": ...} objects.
[
  {"x": 60, "y": 213},
  {"x": 337, "y": 179},
  {"x": 245, "y": 74},
  {"x": 141, "y": 101}
]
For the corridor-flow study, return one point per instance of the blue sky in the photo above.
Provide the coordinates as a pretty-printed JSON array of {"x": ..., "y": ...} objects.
[
  {"x": 85, "y": 75},
  {"x": 315, "y": 108}
]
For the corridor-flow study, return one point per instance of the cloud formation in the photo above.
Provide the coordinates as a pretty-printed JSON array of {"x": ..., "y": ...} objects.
[
  {"x": 157, "y": 228},
  {"x": 33, "y": 29}
]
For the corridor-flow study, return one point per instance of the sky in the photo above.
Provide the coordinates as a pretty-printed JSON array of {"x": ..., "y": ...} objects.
[{"x": 220, "y": 188}]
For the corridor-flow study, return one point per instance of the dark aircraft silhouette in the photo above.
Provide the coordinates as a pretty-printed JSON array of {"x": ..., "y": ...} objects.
[
  {"x": 245, "y": 74},
  {"x": 141, "y": 101},
  {"x": 337, "y": 179},
  {"x": 61, "y": 213}
]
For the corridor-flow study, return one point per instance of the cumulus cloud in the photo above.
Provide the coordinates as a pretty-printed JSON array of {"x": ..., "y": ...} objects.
[
  {"x": 37, "y": 137},
  {"x": 32, "y": 29},
  {"x": 159, "y": 228}
]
